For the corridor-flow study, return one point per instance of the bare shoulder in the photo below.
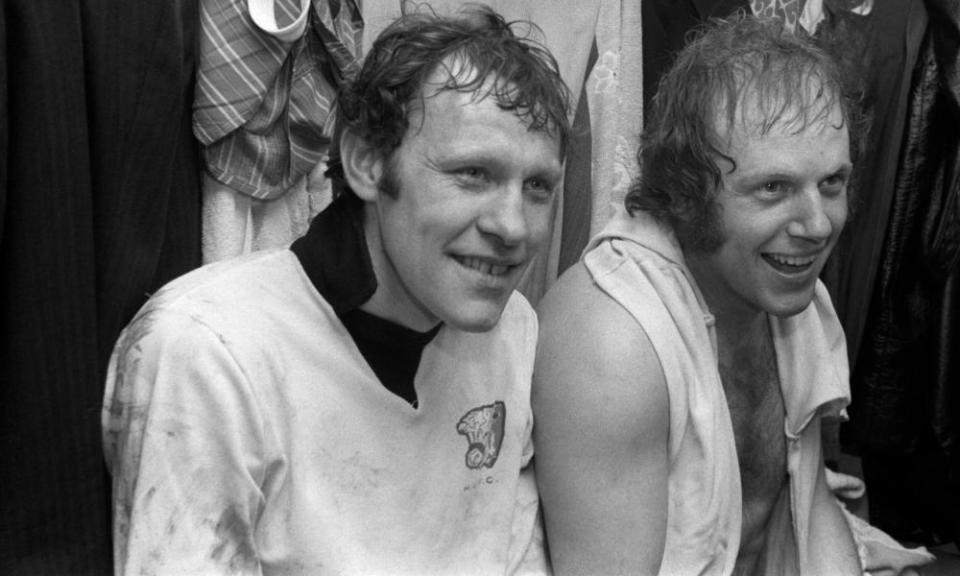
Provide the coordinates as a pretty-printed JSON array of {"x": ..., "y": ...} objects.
[
  {"x": 591, "y": 350},
  {"x": 601, "y": 424}
]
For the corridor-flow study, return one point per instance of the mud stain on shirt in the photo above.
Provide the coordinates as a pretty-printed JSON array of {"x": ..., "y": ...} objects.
[{"x": 234, "y": 545}]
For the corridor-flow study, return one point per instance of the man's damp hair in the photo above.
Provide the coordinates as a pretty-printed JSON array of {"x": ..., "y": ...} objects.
[{"x": 475, "y": 45}]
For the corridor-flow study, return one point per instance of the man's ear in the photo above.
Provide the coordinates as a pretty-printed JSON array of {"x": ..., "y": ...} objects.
[{"x": 362, "y": 165}]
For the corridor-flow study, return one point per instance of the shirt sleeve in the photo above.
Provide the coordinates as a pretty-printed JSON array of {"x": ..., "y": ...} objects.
[{"x": 183, "y": 441}]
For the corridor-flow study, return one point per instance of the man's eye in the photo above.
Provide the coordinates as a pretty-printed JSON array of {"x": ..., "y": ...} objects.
[
  {"x": 470, "y": 172},
  {"x": 774, "y": 187},
  {"x": 536, "y": 184},
  {"x": 538, "y": 188},
  {"x": 833, "y": 185}
]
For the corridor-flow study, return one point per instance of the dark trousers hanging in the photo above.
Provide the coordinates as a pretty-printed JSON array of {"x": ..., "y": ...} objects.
[{"x": 99, "y": 206}]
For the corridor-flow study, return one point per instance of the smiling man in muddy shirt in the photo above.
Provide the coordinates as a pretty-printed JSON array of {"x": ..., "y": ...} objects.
[{"x": 359, "y": 402}]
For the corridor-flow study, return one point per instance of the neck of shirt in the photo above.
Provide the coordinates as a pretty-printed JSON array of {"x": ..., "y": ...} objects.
[{"x": 336, "y": 259}]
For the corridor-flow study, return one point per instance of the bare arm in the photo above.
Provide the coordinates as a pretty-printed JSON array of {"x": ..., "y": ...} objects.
[
  {"x": 601, "y": 429},
  {"x": 834, "y": 533}
]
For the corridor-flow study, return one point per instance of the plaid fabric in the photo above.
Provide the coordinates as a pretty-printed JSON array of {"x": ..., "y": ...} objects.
[{"x": 264, "y": 101}]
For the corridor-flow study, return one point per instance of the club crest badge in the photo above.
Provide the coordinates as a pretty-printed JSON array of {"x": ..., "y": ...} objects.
[{"x": 483, "y": 426}]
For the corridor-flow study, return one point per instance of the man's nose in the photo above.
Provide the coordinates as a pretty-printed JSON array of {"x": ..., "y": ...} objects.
[
  {"x": 505, "y": 216},
  {"x": 812, "y": 221}
]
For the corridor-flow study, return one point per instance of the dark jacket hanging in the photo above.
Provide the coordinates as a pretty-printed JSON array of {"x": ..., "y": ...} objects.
[
  {"x": 905, "y": 410},
  {"x": 99, "y": 205}
]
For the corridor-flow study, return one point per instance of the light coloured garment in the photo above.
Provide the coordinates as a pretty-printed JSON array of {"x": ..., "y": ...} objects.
[
  {"x": 639, "y": 264},
  {"x": 246, "y": 434},
  {"x": 614, "y": 93},
  {"x": 234, "y": 224}
]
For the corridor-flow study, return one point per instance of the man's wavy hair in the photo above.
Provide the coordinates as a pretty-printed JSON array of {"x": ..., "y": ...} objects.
[
  {"x": 476, "y": 45},
  {"x": 731, "y": 63}
]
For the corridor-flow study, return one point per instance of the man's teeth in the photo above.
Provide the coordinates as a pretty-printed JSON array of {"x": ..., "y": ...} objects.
[
  {"x": 792, "y": 260},
  {"x": 484, "y": 267}
]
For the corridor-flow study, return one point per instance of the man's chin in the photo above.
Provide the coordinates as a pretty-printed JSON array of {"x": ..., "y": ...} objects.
[
  {"x": 476, "y": 321},
  {"x": 477, "y": 326},
  {"x": 788, "y": 310}
]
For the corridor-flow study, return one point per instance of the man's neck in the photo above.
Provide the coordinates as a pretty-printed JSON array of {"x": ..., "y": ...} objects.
[
  {"x": 745, "y": 348},
  {"x": 733, "y": 315},
  {"x": 740, "y": 326},
  {"x": 744, "y": 342}
]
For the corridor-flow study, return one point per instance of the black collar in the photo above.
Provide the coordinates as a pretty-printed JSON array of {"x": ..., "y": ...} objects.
[{"x": 335, "y": 257}]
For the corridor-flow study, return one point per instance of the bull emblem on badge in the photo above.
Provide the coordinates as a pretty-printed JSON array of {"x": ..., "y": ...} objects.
[{"x": 483, "y": 427}]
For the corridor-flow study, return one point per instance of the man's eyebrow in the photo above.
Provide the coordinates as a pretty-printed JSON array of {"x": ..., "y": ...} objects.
[
  {"x": 552, "y": 169},
  {"x": 761, "y": 175},
  {"x": 846, "y": 169},
  {"x": 765, "y": 173},
  {"x": 481, "y": 156},
  {"x": 843, "y": 170}
]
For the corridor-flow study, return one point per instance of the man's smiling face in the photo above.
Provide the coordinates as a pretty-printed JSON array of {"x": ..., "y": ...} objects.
[
  {"x": 465, "y": 203},
  {"x": 780, "y": 211}
]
